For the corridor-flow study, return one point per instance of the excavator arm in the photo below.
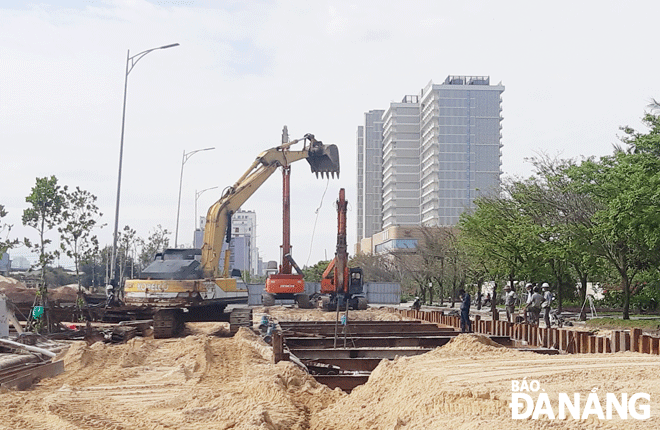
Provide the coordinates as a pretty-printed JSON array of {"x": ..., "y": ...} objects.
[{"x": 323, "y": 159}]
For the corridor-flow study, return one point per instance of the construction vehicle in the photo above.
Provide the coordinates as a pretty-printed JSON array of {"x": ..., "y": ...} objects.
[
  {"x": 341, "y": 287},
  {"x": 187, "y": 284},
  {"x": 285, "y": 285}
]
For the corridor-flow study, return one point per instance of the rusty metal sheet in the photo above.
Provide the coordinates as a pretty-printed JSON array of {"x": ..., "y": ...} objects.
[
  {"x": 354, "y": 353},
  {"x": 344, "y": 382},
  {"x": 368, "y": 342},
  {"x": 347, "y": 364},
  {"x": 24, "y": 380}
]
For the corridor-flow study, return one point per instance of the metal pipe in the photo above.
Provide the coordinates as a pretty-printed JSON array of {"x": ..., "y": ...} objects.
[{"x": 28, "y": 347}]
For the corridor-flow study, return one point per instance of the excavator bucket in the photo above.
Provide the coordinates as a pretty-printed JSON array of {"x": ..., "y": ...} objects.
[{"x": 324, "y": 159}]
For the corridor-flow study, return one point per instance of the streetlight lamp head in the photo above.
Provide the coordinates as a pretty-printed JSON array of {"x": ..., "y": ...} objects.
[{"x": 169, "y": 46}]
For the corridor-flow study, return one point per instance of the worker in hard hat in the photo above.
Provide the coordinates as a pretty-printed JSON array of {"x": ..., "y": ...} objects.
[
  {"x": 109, "y": 295},
  {"x": 545, "y": 306},
  {"x": 528, "y": 300},
  {"x": 510, "y": 302},
  {"x": 534, "y": 305}
]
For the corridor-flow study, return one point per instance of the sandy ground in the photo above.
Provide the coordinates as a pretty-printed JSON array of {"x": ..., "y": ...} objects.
[{"x": 207, "y": 381}]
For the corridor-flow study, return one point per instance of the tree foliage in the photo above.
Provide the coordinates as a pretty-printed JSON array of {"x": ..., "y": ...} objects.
[
  {"x": 127, "y": 245},
  {"x": 375, "y": 268},
  {"x": 47, "y": 200},
  {"x": 155, "y": 243},
  {"x": 80, "y": 216},
  {"x": 575, "y": 220},
  {"x": 314, "y": 273},
  {"x": 5, "y": 242}
]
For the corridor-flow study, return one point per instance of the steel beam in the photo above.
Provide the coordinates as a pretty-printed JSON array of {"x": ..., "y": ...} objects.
[
  {"x": 345, "y": 382},
  {"x": 355, "y": 353}
]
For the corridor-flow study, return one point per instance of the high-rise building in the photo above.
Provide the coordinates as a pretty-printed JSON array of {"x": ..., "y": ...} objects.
[
  {"x": 401, "y": 163},
  {"x": 244, "y": 254},
  {"x": 460, "y": 146},
  {"x": 440, "y": 150},
  {"x": 370, "y": 174}
]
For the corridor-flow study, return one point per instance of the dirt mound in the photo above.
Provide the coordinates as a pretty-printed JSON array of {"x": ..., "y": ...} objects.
[
  {"x": 295, "y": 314},
  {"x": 66, "y": 293},
  {"x": 473, "y": 344},
  {"x": 16, "y": 291},
  {"x": 197, "y": 382},
  {"x": 208, "y": 382}
]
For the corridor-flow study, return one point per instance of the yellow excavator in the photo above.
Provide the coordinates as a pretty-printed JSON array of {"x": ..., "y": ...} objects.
[{"x": 188, "y": 284}]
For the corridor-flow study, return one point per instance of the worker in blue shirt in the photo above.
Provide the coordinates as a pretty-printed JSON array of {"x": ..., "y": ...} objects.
[{"x": 466, "y": 324}]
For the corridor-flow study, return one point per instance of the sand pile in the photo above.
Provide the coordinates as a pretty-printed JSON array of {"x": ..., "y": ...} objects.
[
  {"x": 467, "y": 385},
  {"x": 16, "y": 291},
  {"x": 64, "y": 294},
  {"x": 197, "y": 382},
  {"x": 206, "y": 382},
  {"x": 295, "y": 314}
]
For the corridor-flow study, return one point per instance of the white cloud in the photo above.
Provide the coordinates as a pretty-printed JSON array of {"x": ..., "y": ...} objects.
[{"x": 574, "y": 72}]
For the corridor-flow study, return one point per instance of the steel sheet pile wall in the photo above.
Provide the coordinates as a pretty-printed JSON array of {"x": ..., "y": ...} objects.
[
  {"x": 564, "y": 340},
  {"x": 381, "y": 293}
]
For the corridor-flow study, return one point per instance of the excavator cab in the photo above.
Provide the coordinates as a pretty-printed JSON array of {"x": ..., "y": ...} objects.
[{"x": 323, "y": 159}]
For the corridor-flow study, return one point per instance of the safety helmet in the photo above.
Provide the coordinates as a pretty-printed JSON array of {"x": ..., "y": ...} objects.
[
  {"x": 529, "y": 286},
  {"x": 545, "y": 285}
]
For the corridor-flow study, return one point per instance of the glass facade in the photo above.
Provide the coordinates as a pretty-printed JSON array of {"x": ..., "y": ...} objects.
[
  {"x": 460, "y": 146},
  {"x": 370, "y": 174},
  {"x": 424, "y": 160}
]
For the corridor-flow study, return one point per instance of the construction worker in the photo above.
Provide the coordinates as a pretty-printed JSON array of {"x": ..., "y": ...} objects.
[
  {"x": 109, "y": 295},
  {"x": 466, "y": 324},
  {"x": 528, "y": 300},
  {"x": 533, "y": 306},
  {"x": 510, "y": 302},
  {"x": 545, "y": 306}
]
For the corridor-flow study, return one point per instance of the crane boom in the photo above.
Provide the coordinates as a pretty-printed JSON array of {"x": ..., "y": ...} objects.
[{"x": 322, "y": 159}]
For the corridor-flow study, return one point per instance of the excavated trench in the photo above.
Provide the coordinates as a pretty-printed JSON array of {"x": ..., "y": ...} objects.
[{"x": 209, "y": 379}]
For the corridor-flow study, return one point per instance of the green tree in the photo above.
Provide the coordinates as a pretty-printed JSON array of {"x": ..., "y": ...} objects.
[
  {"x": 501, "y": 235},
  {"x": 91, "y": 265},
  {"x": 565, "y": 216},
  {"x": 314, "y": 273},
  {"x": 375, "y": 267},
  {"x": 625, "y": 227},
  {"x": 80, "y": 216},
  {"x": 47, "y": 200},
  {"x": 157, "y": 242},
  {"x": 127, "y": 242},
  {"x": 6, "y": 243}
]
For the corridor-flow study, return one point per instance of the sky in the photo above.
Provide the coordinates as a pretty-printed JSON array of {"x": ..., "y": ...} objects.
[{"x": 573, "y": 71}]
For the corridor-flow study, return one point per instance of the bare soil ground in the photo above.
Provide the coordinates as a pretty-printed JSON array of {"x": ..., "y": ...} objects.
[{"x": 208, "y": 380}]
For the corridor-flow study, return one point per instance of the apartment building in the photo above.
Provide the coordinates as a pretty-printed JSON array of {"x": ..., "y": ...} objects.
[{"x": 440, "y": 150}]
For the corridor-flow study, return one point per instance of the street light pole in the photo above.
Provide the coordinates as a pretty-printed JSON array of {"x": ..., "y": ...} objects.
[
  {"x": 130, "y": 63},
  {"x": 197, "y": 194},
  {"x": 178, "y": 207}
]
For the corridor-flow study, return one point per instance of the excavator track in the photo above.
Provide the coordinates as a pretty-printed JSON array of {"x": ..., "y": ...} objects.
[{"x": 168, "y": 323}]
